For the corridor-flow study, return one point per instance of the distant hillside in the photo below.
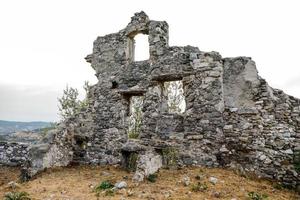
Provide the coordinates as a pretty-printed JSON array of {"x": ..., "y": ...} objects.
[{"x": 7, "y": 127}]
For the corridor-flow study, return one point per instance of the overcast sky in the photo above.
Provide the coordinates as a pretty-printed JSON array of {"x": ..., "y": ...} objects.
[{"x": 43, "y": 43}]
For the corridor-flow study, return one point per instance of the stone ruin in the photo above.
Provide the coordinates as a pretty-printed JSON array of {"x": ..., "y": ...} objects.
[{"x": 231, "y": 118}]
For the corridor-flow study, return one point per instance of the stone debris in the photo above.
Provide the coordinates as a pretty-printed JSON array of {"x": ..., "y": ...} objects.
[
  {"x": 213, "y": 180},
  {"x": 232, "y": 117},
  {"x": 121, "y": 185},
  {"x": 186, "y": 181},
  {"x": 147, "y": 164},
  {"x": 104, "y": 173},
  {"x": 13, "y": 185}
]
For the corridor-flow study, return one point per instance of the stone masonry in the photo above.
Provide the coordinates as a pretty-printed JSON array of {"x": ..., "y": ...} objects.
[
  {"x": 233, "y": 118},
  {"x": 12, "y": 153}
]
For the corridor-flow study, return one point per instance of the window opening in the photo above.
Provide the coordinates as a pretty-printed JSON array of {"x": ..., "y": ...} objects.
[
  {"x": 175, "y": 96},
  {"x": 139, "y": 49},
  {"x": 135, "y": 116}
]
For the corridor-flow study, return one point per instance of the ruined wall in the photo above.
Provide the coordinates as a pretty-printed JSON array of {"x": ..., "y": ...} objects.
[
  {"x": 13, "y": 154},
  {"x": 54, "y": 150},
  {"x": 120, "y": 78},
  {"x": 262, "y": 124},
  {"x": 232, "y": 117}
]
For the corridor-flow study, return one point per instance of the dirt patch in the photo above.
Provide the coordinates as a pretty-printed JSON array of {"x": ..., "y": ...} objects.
[
  {"x": 8, "y": 174},
  {"x": 77, "y": 183}
]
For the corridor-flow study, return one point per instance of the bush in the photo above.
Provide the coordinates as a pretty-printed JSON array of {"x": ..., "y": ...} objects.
[
  {"x": 17, "y": 196},
  {"x": 257, "y": 196},
  {"x": 133, "y": 135},
  {"x": 199, "y": 187},
  {"x": 170, "y": 156},
  {"x": 104, "y": 185},
  {"x": 69, "y": 104},
  {"x": 152, "y": 178}
]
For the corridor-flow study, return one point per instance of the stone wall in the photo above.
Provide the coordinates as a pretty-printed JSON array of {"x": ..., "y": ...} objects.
[
  {"x": 13, "y": 154},
  {"x": 262, "y": 124},
  {"x": 232, "y": 117}
]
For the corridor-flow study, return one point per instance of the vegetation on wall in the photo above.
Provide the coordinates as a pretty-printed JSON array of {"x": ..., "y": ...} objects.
[
  {"x": 170, "y": 156},
  {"x": 175, "y": 97},
  {"x": 135, "y": 118},
  {"x": 69, "y": 104}
]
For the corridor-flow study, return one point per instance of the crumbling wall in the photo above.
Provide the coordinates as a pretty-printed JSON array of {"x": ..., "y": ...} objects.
[
  {"x": 232, "y": 117},
  {"x": 53, "y": 151},
  {"x": 13, "y": 154},
  {"x": 262, "y": 124},
  {"x": 120, "y": 77}
]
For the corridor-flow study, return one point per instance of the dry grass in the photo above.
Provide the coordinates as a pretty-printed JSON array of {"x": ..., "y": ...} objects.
[
  {"x": 76, "y": 183},
  {"x": 8, "y": 174}
]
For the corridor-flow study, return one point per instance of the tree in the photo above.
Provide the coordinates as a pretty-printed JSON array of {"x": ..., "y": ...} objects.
[{"x": 69, "y": 104}]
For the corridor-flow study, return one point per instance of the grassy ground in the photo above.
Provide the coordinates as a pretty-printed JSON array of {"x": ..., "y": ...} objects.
[{"x": 77, "y": 183}]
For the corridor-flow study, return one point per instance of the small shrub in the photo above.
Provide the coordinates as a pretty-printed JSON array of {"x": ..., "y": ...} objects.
[
  {"x": 257, "y": 196},
  {"x": 133, "y": 135},
  {"x": 152, "y": 178},
  {"x": 199, "y": 187},
  {"x": 170, "y": 156},
  {"x": 104, "y": 185},
  {"x": 69, "y": 104},
  {"x": 17, "y": 196}
]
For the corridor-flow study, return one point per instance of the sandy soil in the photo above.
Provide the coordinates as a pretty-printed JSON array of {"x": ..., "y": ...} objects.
[{"x": 77, "y": 183}]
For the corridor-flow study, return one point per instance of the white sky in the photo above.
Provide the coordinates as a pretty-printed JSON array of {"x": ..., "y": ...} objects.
[{"x": 43, "y": 43}]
